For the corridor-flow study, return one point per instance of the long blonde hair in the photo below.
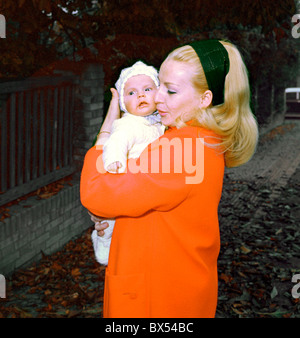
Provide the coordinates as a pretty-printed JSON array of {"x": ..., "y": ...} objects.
[{"x": 233, "y": 121}]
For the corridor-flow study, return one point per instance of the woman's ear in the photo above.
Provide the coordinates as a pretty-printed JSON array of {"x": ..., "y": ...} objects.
[{"x": 206, "y": 99}]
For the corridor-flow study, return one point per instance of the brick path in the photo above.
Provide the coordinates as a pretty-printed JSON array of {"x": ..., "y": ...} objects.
[
  {"x": 259, "y": 227},
  {"x": 275, "y": 161}
]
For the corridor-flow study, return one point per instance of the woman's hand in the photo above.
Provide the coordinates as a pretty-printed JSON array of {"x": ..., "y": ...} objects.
[
  {"x": 100, "y": 227},
  {"x": 113, "y": 114},
  {"x": 114, "y": 108},
  {"x": 115, "y": 94}
]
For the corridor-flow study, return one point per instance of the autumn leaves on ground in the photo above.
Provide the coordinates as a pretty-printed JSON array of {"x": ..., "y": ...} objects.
[
  {"x": 258, "y": 258},
  {"x": 259, "y": 252},
  {"x": 68, "y": 283}
]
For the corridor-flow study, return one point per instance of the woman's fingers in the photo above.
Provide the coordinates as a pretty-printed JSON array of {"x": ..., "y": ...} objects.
[
  {"x": 114, "y": 92},
  {"x": 100, "y": 227},
  {"x": 95, "y": 218}
]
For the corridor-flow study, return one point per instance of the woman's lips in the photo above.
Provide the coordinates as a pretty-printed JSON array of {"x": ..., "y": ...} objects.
[{"x": 162, "y": 113}]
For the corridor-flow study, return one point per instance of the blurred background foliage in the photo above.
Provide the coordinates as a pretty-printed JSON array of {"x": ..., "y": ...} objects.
[{"x": 43, "y": 35}]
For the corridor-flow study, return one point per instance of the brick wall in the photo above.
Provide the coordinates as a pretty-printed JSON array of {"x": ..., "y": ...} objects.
[
  {"x": 45, "y": 225},
  {"x": 88, "y": 110},
  {"x": 37, "y": 226}
]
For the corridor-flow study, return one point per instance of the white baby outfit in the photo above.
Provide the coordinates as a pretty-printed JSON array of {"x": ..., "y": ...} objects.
[{"x": 130, "y": 135}]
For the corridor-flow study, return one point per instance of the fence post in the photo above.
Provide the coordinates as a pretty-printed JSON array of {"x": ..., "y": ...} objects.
[{"x": 89, "y": 101}]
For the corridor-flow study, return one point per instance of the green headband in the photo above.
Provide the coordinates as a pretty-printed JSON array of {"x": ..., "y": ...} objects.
[{"x": 215, "y": 62}]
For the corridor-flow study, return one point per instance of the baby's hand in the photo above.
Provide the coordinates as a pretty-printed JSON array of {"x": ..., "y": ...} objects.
[{"x": 114, "y": 167}]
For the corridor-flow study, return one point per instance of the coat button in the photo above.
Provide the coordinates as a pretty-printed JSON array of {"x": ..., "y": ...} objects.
[{"x": 131, "y": 295}]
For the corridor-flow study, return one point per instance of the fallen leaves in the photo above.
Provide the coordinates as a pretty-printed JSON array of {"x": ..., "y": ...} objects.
[
  {"x": 41, "y": 193},
  {"x": 259, "y": 255},
  {"x": 259, "y": 252},
  {"x": 75, "y": 272},
  {"x": 280, "y": 130},
  {"x": 66, "y": 284},
  {"x": 244, "y": 249},
  {"x": 274, "y": 292}
]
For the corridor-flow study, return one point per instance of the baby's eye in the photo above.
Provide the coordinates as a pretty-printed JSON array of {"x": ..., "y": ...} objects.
[
  {"x": 148, "y": 89},
  {"x": 131, "y": 93}
]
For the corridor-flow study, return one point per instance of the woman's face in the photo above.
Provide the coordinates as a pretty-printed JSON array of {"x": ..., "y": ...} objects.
[{"x": 176, "y": 95}]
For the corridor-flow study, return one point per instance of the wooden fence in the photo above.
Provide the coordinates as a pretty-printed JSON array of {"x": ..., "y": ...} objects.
[{"x": 36, "y": 134}]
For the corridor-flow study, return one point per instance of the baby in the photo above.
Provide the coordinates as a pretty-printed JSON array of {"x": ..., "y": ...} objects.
[{"x": 130, "y": 135}]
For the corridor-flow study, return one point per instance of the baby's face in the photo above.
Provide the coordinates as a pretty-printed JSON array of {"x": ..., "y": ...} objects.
[{"x": 139, "y": 94}]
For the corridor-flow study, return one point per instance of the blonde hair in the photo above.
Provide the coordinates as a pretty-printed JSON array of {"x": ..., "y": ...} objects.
[{"x": 233, "y": 121}]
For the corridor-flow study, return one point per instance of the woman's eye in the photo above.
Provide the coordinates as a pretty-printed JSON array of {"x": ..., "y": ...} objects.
[{"x": 171, "y": 92}]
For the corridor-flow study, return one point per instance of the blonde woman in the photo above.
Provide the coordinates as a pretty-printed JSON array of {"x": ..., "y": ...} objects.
[{"x": 165, "y": 245}]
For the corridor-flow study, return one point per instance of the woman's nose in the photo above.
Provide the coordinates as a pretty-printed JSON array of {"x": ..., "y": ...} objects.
[{"x": 158, "y": 96}]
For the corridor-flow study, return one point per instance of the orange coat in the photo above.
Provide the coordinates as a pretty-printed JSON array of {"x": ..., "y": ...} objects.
[{"x": 165, "y": 244}]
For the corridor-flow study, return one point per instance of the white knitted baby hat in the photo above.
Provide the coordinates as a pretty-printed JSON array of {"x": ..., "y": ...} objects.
[{"x": 139, "y": 68}]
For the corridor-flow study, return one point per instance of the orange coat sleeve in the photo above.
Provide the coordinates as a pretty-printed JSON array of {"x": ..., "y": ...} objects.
[{"x": 134, "y": 193}]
